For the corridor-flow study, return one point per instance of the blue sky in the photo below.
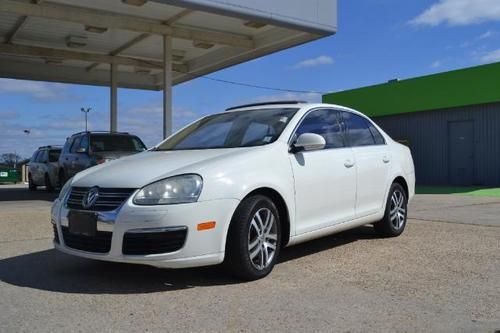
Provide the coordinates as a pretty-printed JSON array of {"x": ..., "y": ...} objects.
[{"x": 377, "y": 40}]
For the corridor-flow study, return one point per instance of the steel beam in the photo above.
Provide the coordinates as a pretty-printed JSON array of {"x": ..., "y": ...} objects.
[
  {"x": 113, "y": 110},
  {"x": 125, "y": 22},
  {"x": 177, "y": 55},
  {"x": 42, "y": 52},
  {"x": 29, "y": 70}
]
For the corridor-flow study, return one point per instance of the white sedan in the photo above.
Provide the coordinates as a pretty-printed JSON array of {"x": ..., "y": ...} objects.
[{"x": 238, "y": 186}]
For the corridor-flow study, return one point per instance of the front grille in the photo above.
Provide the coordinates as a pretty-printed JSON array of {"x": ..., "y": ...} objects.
[
  {"x": 56, "y": 234},
  {"x": 108, "y": 199},
  {"x": 100, "y": 243},
  {"x": 142, "y": 243}
]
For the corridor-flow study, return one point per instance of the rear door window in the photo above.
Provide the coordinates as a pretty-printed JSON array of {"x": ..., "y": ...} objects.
[
  {"x": 54, "y": 155},
  {"x": 358, "y": 132},
  {"x": 379, "y": 139}
]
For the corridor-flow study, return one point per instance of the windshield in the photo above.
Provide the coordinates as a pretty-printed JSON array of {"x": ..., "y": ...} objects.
[
  {"x": 106, "y": 142},
  {"x": 231, "y": 130}
]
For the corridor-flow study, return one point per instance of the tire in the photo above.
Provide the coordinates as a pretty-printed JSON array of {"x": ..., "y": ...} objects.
[
  {"x": 48, "y": 185},
  {"x": 31, "y": 185},
  {"x": 396, "y": 213},
  {"x": 254, "y": 239}
]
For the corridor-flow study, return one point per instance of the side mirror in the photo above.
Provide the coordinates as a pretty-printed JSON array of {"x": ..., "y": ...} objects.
[
  {"x": 81, "y": 150},
  {"x": 308, "y": 142}
]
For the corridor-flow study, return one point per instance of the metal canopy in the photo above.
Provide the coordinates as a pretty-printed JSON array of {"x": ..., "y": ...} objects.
[{"x": 80, "y": 41}]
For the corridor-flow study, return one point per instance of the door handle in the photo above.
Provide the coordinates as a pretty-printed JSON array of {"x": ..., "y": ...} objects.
[
  {"x": 348, "y": 163},
  {"x": 386, "y": 159}
]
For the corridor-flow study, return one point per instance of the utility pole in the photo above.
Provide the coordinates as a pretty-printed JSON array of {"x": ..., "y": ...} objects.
[{"x": 86, "y": 111}]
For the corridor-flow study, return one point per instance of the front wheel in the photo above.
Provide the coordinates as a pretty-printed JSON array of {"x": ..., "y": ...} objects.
[
  {"x": 396, "y": 212},
  {"x": 254, "y": 239}
]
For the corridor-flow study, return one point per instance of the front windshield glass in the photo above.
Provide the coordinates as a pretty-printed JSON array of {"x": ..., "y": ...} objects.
[
  {"x": 109, "y": 142},
  {"x": 232, "y": 130}
]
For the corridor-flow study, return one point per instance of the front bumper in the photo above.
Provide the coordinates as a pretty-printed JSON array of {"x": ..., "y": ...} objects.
[{"x": 201, "y": 248}]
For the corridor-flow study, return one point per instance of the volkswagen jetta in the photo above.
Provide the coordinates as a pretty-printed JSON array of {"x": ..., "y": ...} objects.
[{"x": 238, "y": 186}]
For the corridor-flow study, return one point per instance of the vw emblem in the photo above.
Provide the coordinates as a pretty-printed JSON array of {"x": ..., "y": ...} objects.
[{"x": 90, "y": 197}]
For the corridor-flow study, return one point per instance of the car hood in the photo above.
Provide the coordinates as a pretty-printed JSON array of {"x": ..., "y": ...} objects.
[{"x": 138, "y": 170}]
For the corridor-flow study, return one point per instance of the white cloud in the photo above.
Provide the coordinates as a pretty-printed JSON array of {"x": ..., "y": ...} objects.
[
  {"x": 38, "y": 90},
  {"x": 436, "y": 64},
  {"x": 489, "y": 57},
  {"x": 318, "y": 61},
  {"x": 459, "y": 12},
  {"x": 486, "y": 35}
]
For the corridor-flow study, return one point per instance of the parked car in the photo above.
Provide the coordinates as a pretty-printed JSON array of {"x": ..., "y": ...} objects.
[
  {"x": 238, "y": 186},
  {"x": 42, "y": 168},
  {"x": 85, "y": 149}
]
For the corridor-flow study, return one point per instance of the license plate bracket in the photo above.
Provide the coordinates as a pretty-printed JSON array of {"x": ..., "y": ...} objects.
[{"x": 82, "y": 223}]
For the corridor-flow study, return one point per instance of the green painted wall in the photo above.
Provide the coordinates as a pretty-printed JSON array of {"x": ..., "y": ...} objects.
[{"x": 475, "y": 85}]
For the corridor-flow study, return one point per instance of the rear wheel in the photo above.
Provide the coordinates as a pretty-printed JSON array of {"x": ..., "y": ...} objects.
[
  {"x": 48, "y": 184},
  {"x": 31, "y": 185},
  {"x": 254, "y": 239},
  {"x": 396, "y": 211}
]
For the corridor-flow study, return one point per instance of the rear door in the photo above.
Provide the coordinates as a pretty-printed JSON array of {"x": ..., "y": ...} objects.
[
  {"x": 325, "y": 180},
  {"x": 372, "y": 159}
]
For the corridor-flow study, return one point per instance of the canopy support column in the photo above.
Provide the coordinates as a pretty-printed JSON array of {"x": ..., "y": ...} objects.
[
  {"x": 167, "y": 86},
  {"x": 113, "y": 119}
]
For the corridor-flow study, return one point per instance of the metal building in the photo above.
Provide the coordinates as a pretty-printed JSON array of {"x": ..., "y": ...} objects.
[{"x": 450, "y": 121}]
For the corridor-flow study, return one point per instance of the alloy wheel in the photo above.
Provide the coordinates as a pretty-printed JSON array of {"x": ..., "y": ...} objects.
[
  {"x": 398, "y": 210},
  {"x": 262, "y": 238}
]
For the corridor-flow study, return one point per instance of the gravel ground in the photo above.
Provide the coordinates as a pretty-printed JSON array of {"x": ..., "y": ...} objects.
[{"x": 435, "y": 277}]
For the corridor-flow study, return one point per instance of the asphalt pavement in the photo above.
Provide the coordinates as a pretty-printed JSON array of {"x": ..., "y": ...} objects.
[{"x": 442, "y": 274}]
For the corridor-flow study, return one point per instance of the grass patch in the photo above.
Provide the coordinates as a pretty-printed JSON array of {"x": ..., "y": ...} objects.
[{"x": 473, "y": 191}]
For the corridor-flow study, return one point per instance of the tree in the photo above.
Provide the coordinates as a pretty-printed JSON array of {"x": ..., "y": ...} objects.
[{"x": 10, "y": 159}]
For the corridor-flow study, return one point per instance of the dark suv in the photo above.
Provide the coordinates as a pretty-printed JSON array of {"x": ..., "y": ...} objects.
[{"x": 85, "y": 149}]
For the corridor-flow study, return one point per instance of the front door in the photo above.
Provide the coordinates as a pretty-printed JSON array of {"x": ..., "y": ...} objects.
[
  {"x": 461, "y": 157},
  {"x": 325, "y": 180}
]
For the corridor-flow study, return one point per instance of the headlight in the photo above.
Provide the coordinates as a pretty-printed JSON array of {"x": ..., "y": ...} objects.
[
  {"x": 65, "y": 189},
  {"x": 174, "y": 190}
]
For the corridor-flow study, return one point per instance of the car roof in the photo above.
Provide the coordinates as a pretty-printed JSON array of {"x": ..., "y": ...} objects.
[
  {"x": 102, "y": 133},
  {"x": 291, "y": 104},
  {"x": 54, "y": 147}
]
